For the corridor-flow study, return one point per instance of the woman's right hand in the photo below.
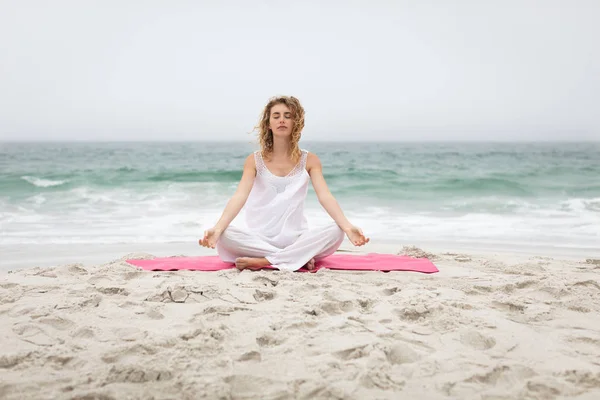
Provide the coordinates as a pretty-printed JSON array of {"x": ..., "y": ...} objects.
[{"x": 211, "y": 236}]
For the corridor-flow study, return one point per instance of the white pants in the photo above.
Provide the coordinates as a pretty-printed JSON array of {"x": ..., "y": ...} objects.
[{"x": 315, "y": 243}]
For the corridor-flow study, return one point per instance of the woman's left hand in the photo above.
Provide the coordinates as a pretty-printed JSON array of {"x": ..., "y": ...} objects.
[{"x": 356, "y": 236}]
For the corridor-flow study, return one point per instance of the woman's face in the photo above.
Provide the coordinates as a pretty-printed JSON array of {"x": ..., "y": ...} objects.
[{"x": 280, "y": 120}]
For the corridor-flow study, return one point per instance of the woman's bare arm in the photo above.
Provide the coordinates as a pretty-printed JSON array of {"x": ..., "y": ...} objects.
[
  {"x": 237, "y": 201},
  {"x": 326, "y": 199},
  {"x": 330, "y": 204}
]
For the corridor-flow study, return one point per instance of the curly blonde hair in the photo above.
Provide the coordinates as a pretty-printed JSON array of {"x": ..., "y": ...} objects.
[{"x": 265, "y": 135}]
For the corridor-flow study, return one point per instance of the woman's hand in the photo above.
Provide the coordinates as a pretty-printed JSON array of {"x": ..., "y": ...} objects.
[
  {"x": 211, "y": 236},
  {"x": 356, "y": 236}
]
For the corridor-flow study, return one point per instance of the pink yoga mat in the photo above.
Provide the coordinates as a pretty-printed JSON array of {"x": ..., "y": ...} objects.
[{"x": 368, "y": 262}]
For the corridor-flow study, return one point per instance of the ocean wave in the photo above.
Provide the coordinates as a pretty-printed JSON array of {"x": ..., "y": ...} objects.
[
  {"x": 168, "y": 223},
  {"x": 581, "y": 204},
  {"x": 44, "y": 183},
  {"x": 197, "y": 176},
  {"x": 483, "y": 185}
]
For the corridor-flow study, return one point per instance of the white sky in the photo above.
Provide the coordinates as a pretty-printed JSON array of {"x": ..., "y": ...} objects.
[{"x": 364, "y": 70}]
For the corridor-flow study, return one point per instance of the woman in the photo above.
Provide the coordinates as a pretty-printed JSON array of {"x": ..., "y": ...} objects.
[{"x": 273, "y": 188}]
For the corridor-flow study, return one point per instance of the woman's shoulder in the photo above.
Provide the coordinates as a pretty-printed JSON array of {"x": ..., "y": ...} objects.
[
  {"x": 251, "y": 159},
  {"x": 309, "y": 154},
  {"x": 312, "y": 160}
]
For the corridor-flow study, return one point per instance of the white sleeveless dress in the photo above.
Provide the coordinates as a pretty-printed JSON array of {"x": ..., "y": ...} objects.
[
  {"x": 275, "y": 207},
  {"x": 276, "y": 227}
]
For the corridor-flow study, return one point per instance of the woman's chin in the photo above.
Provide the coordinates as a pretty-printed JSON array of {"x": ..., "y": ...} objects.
[{"x": 282, "y": 135}]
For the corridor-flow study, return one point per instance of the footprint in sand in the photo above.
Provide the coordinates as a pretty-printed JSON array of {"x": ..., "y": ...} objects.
[
  {"x": 138, "y": 351},
  {"x": 74, "y": 269},
  {"x": 250, "y": 356},
  {"x": 366, "y": 304},
  {"x": 379, "y": 378},
  {"x": 219, "y": 333},
  {"x": 337, "y": 307},
  {"x": 153, "y": 313},
  {"x": 527, "y": 269},
  {"x": 401, "y": 354},
  {"x": 59, "y": 323},
  {"x": 134, "y": 306},
  {"x": 305, "y": 325},
  {"x": 170, "y": 295},
  {"x": 505, "y": 373},
  {"x": 500, "y": 377},
  {"x": 84, "y": 333},
  {"x": 130, "y": 334},
  {"x": 391, "y": 291},
  {"x": 131, "y": 374},
  {"x": 100, "y": 280},
  {"x": 218, "y": 309},
  {"x": 91, "y": 301},
  {"x": 413, "y": 312},
  {"x": 113, "y": 291},
  {"x": 132, "y": 275},
  {"x": 255, "y": 387},
  {"x": 265, "y": 281},
  {"x": 20, "y": 310},
  {"x": 268, "y": 340},
  {"x": 35, "y": 335},
  {"x": 578, "y": 307},
  {"x": 262, "y": 295},
  {"x": 476, "y": 340},
  {"x": 192, "y": 334},
  {"x": 579, "y": 378},
  {"x": 12, "y": 360},
  {"x": 353, "y": 352},
  {"x": 508, "y": 305},
  {"x": 589, "y": 284}
]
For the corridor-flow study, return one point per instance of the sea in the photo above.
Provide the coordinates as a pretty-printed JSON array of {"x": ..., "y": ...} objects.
[{"x": 477, "y": 193}]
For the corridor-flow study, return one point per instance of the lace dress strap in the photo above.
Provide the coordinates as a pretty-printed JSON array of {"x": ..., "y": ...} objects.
[
  {"x": 304, "y": 158},
  {"x": 260, "y": 164},
  {"x": 301, "y": 166}
]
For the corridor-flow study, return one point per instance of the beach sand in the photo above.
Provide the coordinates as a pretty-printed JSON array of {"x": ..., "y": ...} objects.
[{"x": 487, "y": 326}]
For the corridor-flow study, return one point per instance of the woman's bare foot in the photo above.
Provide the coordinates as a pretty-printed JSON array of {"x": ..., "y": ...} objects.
[
  {"x": 251, "y": 263},
  {"x": 310, "y": 265}
]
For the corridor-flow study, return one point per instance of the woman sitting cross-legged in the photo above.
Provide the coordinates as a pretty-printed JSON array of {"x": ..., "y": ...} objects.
[{"x": 272, "y": 190}]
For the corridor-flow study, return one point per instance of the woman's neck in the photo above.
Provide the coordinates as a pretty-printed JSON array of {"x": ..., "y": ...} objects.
[{"x": 281, "y": 147}]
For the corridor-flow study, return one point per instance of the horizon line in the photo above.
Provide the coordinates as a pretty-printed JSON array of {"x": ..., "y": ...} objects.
[{"x": 306, "y": 140}]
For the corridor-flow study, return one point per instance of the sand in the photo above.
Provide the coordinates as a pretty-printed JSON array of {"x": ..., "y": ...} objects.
[{"x": 494, "y": 326}]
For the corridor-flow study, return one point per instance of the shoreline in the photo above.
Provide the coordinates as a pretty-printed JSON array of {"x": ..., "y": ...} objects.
[{"x": 17, "y": 257}]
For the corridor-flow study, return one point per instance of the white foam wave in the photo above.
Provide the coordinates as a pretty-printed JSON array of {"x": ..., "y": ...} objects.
[
  {"x": 38, "y": 199},
  {"x": 177, "y": 214},
  {"x": 39, "y": 182},
  {"x": 581, "y": 204}
]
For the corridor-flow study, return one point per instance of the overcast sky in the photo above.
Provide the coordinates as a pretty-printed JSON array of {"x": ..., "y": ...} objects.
[{"x": 363, "y": 70}]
